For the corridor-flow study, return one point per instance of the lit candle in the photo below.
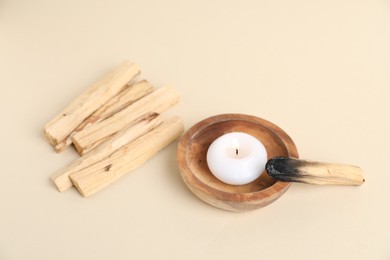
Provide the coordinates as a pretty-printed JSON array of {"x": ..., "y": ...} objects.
[{"x": 236, "y": 158}]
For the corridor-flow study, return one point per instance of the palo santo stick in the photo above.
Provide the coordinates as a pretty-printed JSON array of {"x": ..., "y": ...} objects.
[
  {"x": 158, "y": 101},
  {"x": 124, "y": 98},
  {"x": 88, "y": 102},
  {"x": 289, "y": 169},
  {"x": 140, "y": 127},
  {"x": 129, "y": 157}
]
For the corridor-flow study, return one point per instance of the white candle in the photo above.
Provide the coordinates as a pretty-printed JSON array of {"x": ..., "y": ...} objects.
[{"x": 236, "y": 158}]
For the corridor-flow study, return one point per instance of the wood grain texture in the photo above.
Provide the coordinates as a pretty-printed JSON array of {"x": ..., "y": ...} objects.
[
  {"x": 94, "y": 178},
  {"x": 191, "y": 156},
  {"x": 291, "y": 169},
  {"x": 140, "y": 127},
  {"x": 158, "y": 101},
  {"x": 128, "y": 95},
  {"x": 94, "y": 97}
]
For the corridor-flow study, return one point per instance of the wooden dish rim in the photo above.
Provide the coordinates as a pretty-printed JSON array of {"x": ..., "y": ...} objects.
[{"x": 277, "y": 189}]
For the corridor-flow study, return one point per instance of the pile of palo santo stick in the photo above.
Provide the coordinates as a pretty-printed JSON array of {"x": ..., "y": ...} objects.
[{"x": 115, "y": 125}]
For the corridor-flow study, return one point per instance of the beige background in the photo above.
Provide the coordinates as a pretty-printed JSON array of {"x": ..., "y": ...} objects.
[{"x": 318, "y": 69}]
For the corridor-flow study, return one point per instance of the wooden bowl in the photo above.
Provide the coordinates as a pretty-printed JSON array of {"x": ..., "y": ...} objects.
[{"x": 191, "y": 156}]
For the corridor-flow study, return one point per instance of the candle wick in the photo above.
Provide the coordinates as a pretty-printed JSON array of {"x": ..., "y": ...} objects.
[{"x": 236, "y": 151}]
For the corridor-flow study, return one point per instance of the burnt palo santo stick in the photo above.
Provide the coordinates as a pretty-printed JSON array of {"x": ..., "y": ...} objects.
[{"x": 295, "y": 170}]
